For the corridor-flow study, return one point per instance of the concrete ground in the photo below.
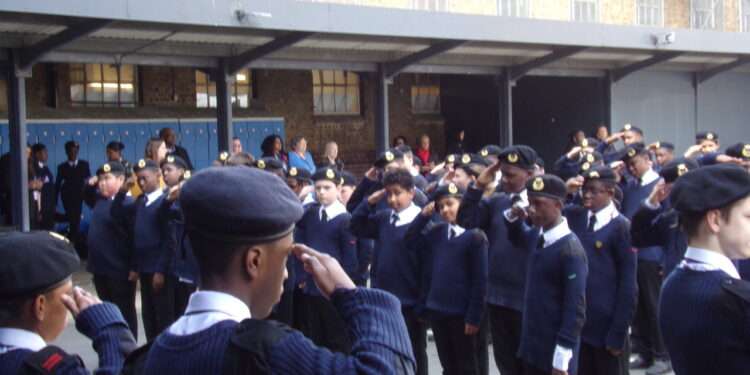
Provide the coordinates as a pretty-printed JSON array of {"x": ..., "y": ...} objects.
[{"x": 74, "y": 342}]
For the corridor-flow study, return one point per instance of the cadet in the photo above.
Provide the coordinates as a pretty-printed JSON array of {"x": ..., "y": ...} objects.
[
  {"x": 36, "y": 293},
  {"x": 706, "y": 142},
  {"x": 299, "y": 179},
  {"x": 241, "y": 239},
  {"x": 271, "y": 165},
  {"x": 325, "y": 226},
  {"x": 395, "y": 269},
  {"x": 555, "y": 298},
  {"x": 704, "y": 305},
  {"x": 72, "y": 176},
  {"x": 507, "y": 262},
  {"x": 611, "y": 288},
  {"x": 110, "y": 243},
  {"x": 44, "y": 195},
  {"x": 365, "y": 246},
  {"x": 456, "y": 287},
  {"x": 150, "y": 258}
]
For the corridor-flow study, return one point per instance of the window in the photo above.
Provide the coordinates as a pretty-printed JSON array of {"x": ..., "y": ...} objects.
[
  {"x": 585, "y": 10},
  {"x": 205, "y": 90},
  {"x": 433, "y": 5},
  {"x": 425, "y": 99},
  {"x": 335, "y": 92},
  {"x": 513, "y": 8},
  {"x": 649, "y": 12},
  {"x": 745, "y": 15},
  {"x": 102, "y": 85},
  {"x": 706, "y": 14}
]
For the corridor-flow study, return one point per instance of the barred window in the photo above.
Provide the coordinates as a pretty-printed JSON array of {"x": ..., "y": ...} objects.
[
  {"x": 706, "y": 14},
  {"x": 585, "y": 10},
  {"x": 513, "y": 8},
  {"x": 425, "y": 99},
  {"x": 335, "y": 92},
  {"x": 433, "y": 5},
  {"x": 102, "y": 85},
  {"x": 205, "y": 90},
  {"x": 745, "y": 19},
  {"x": 650, "y": 12}
]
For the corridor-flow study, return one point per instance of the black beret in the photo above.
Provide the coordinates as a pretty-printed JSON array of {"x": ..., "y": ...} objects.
[
  {"x": 709, "y": 188},
  {"x": 667, "y": 145},
  {"x": 633, "y": 150},
  {"x": 176, "y": 160},
  {"x": 451, "y": 158},
  {"x": 589, "y": 142},
  {"x": 327, "y": 173},
  {"x": 268, "y": 163},
  {"x": 676, "y": 168},
  {"x": 349, "y": 179},
  {"x": 38, "y": 147},
  {"x": 447, "y": 190},
  {"x": 601, "y": 173},
  {"x": 739, "y": 150},
  {"x": 33, "y": 262},
  {"x": 262, "y": 210},
  {"x": 301, "y": 174},
  {"x": 389, "y": 156},
  {"x": 589, "y": 160},
  {"x": 466, "y": 159},
  {"x": 706, "y": 136},
  {"x": 116, "y": 146},
  {"x": 145, "y": 164},
  {"x": 521, "y": 156},
  {"x": 405, "y": 149},
  {"x": 71, "y": 144},
  {"x": 629, "y": 127},
  {"x": 490, "y": 150},
  {"x": 114, "y": 167},
  {"x": 548, "y": 185}
]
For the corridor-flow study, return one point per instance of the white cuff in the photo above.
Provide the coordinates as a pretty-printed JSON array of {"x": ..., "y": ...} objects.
[
  {"x": 650, "y": 206},
  {"x": 562, "y": 358},
  {"x": 508, "y": 213}
]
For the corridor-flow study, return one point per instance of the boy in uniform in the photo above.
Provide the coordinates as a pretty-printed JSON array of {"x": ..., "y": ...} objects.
[{"x": 704, "y": 305}]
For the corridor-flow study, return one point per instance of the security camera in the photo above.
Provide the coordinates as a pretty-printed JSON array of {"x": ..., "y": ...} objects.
[{"x": 666, "y": 38}]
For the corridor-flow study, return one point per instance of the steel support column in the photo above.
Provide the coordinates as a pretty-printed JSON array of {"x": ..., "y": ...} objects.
[
  {"x": 224, "y": 127},
  {"x": 505, "y": 107},
  {"x": 381, "y": 110},
  {"x": 16, "y": 81}
]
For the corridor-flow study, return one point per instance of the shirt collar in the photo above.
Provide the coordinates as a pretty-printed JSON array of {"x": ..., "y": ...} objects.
[
  {"x": 211, "y": 301},
  {"x": 524, "y": 195},
  {"x": 151, "y": 197},
  {"x": 14, "y": 338},
  {"x": 713, "y": 261},
  {"x": 556, "y": 233},
  {"x": 73, "y": 163},
  {"x": 604, "y": 216},
  {"x": 456, "y": 228},
  {"x": 649, "y": 177},
  {"x": 334, "y": 209},
  {"x": 407, "y": 215}
]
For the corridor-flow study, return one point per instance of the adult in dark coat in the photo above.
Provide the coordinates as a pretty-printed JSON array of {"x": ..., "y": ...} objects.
[
  {"x": 72, "y": 176},
  {"x": 170, "y": 140},
  {"x": 43, "y": 184}
]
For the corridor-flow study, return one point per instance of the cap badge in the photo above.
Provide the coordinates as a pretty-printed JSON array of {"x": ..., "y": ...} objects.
[
  {"x": 632, "y": 152},
  {"x": 681, "y": 169},
  {"x": 141, "y": 163},
  {"x": 187, "y": 175},
  {"x": 292, "y": 171},
  {"x": 330, "y": 174},
  {"x": 106, "y": 168},
  {"x": 389, "y": 156},
  {"x": 513, "y": 157},
  {"x": 466, "y": 159},
  {"x": 170, "y": 159},
  {"x": 657, "y": 144},
  {"x": 590, "y": 158},
  {"x": 451, "y": 158},
  {"x": 538, "y": 184},
  {"x": 585, "y": 166},
  {"x": 594, "y": 174},
  {"x": 584, "y": 142},
  {"x": 224, "y": 156},
  {"x": 452, "y": 188},
  {"x": 627, "y": 127},
  {"x": 484, "y": 152},
  {"x": 746, "y": 151},
  {"x": 710, "y": 136},
  {"x": 261, "y": 164}
]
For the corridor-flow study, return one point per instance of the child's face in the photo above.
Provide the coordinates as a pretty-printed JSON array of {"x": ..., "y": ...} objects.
[
  {"x": 268, "y": 271},
  {"x": 172, "y": 174},
  {"x": 148, "y": 180},
  {"x": 596, "y": 195},
  {"x": 638, "y": 165},
  {"x": 346, "y": 193},
  {"x": 293, "y": 184},
  {"x": 398, "y": 197},
  {"x": 544, "y": 212},
  {"x": 110, "y": 184},
  {"x": 462, "y": 179},
  {"x": 55, "y": 314},
  {"x": 734, "y": 238},
  {"x": 448, "y": 207},
  {"x": 326, "y": 191},
  {"x": 513, "y": 178}
]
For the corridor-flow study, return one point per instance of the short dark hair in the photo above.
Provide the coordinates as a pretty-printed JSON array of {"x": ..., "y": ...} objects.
[
  {"x": 690, "y": 221},
  {"x": 400, "y": 177},
  {"x": 295, "y": 140},
  {"x": 38, "y": 147}
]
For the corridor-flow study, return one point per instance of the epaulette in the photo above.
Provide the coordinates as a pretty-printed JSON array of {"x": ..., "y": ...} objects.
[{"x": 48, "y": 360}]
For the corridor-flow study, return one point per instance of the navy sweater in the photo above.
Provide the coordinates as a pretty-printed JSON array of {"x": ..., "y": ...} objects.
[
  {"x": 611, "y": 287},
  {"x": 661, "y": 228},
  {"x": 555, "y": 299},
  {"x": 394, "y": 269},
  {"x": 375, "y": 325},
  {"x": 633, "y": 196},
  {"x": 110, "y": 253},
  {"x": 149, "y": 232},
  {"x": 507, "y": 262},
  {"x": 332, "y": 237},
  {"x": 180, "y": 259},
  {"x": 460, "y": 267},
  {"x": 110, "y": 336},
  {"x": 704, "y": 325}
]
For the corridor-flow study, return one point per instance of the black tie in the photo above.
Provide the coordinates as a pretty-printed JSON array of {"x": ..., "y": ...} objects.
[
  {"x": 452, "y": 234},
  {"x": 394, "y": 219},
  {"x": 592, "y": 223},
  {"x": 540, "y": 243},
  {"x": 323, "y": 216},
  {"x": 515, "y": 199}
]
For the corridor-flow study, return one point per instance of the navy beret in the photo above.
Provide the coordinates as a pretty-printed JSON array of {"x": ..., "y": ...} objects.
[
  {"x": 145, "y": 164},
  {"x": 629, "y": 127},
  {"x": 451, "y": 158},
  {"x": 709, "y": 188},
  {"x": 466, "y": 159},
  {"x": 548, "y": 185},
  {"x": 521, "y": 156},
  {"x": 633, "y": 150},
  {"x": 490, "y": 150},
  {"x": 600, "y": 173},
  {"x": 447, "y": 190},
  {"x": 268, "y": 163},
  {"x": 176, "y": 160},
  {"x": 301, "y": 174},
  {"x": 114, "y": 167},
  {"x": 739, "y": 150},
  {"x": 388, "y": 156},
  {"x": 706, "y": 136},
  {"x": 676, "y": 168},
  {"x": 349, "y": 179},
  {"x": 327, "y": 173},
  {"x": 116, "y": 146},
  {"x": 239, "y": 204},
  {"x": 71, "y": 144},
  {"x": 32, "y": 262},
  {"x": 667, "y": 145},
  {"x": 589, "y": 142}
]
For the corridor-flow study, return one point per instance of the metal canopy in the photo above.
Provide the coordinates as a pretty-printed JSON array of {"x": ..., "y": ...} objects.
[
  {"x": 704, "y": 76},
  {"x": 519, "y": 71},
  {"x": 238, "y": 62},
  {"x": 32, "y": 53},
  {"x": 621, "y": 73},
  {"x": 394, "y": 67}
]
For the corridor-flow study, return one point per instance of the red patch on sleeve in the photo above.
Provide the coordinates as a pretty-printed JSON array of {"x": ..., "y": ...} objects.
[{"x": 52, "y": 361}]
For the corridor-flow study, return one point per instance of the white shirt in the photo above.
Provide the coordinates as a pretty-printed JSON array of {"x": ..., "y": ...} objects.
[
  {"x": 334, "y": 209},
  {"x": 15, "y": 338},
  {"x": 207, "y": 308},
  {"x": 457, "y": 229},
  {"x": 649, "y": 177},
  {"x": 555, "y": 233},
  {"x": 73, "y": 163},
  {"x": 153, "y": 196},
  {"x": 309, "y": 198},
  {"x": 706, "y": 260},
  {"x": 604, "y": 216},
  {"x": 523, "y": 203},
  {"x": 406, "y": 216}
]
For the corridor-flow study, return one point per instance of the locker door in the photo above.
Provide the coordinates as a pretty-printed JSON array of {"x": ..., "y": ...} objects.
[
  {"x": 142, "y": 135},
  {"x": 128, "y": 133},
  {"x": 79, "y": 133},
  {"x": 4, "y": 138},
  {"x": 97, "y": 143},
  {"x": 213, "y": 142},
  {"x": 63, "y": 134}
]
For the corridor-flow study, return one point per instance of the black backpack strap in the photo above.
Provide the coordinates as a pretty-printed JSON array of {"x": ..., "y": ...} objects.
[
  {"x": 47, "y": 361},
  {"x": 136, "y": 361},
  {"x": 738, "y": 288},
  {"x": 250, "y": 345}
]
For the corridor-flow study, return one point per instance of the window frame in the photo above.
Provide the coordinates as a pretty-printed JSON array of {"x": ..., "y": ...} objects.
[
  {"x": 717, "y": 20},
  {"x": 573, "y": 10},
  {"x": 661, "y": 10},
  {"x": 415, "y": 110},
  {"x": 101, "y": 103},
  {"x": 525, "y": 12},
  {"x": 744, "y": 15},
  {"x": 438, "y": 5},
  {"x": 236, "y": 103},
  {"x": 347, "y": 88}
]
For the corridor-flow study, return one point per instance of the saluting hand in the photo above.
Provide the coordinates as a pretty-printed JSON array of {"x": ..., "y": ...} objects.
[
  {"x": 487, "y": 176},
  {"x": 372, "y": 174},
  {"x": 79, "y": 301},
  {"x": 93, "y": 181},
  {"x": 325, "y": 270},
  {"x": 659, "y": 193},
  {"x": 574, "y": 184},
  {"x": 428, "y": 209},
  {"x": 375, "y": 197}
]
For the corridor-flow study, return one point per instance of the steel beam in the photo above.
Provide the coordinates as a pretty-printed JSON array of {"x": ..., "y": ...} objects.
[
  {"x": 242, "y": 60},
  {"x": 31, "y": 54},
  {"x": 394, "y": 67},
  {"x": 16, "y": 82},
  {"x": 713, "y": 72},
  {"x": 620, "y": 73},
  {"x": 520, "y": 70},
  {"x": 224, "y": 105}
]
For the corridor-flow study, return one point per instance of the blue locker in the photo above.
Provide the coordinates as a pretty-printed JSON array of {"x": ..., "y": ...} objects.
[
  {"x": 46, "y": 136},
  {"x": 4, "y": 139},
  {"x": 31, "y": 137},
  {"x": 128, "y": 135},
  {"x": 195, "y": 139},
  {"x": 79, "y": 133},
  {"x": 213, "y": 142},
  {"x": 97, "y": 143},
  {"x": 142, "y": 135},
  {"x": 62, "y": 135},
  {"x": 156, "y": 126}
]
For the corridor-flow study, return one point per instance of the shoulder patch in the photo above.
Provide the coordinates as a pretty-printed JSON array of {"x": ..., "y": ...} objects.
[
  {"x": 48, "y": 360},
  {"x": 250, "y": 345},
  {"x": 739, "y": 288}
]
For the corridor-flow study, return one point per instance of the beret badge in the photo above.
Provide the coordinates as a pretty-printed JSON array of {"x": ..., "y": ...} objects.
[
  {"x": 330, "y": 174},
  {"x": 466, "y": 159},
  {"x": 451, "y": 158},
  {"x": 681, "y": 169},
  {"x": 484, "y": 152},
  {"x": 452, "y": 188},
  {"x": 632, "y": 152},
  {"x": 585, "y": 166},
  {"x": 141, "y": 163},
  {"x": 224, "y": 156},
  {"x": 106, "y": 168},
  {"x": 389, "y": 156},
  {"x": 538, "y": 184},
  {"x": 590, "y": 158},
  {"x": 594, "y": 174},
  {"x": 293, "y": 171},
  {"x": 746, "y": 151},
  {"x": 513, "y": 157},
  {"x": 710, "y": 136},
  {"x": 187, "y": 175},
  {"x": 627, "y": 127},
  {"x": 261, "y": 164},
  {"x": 170, "y": 159}
]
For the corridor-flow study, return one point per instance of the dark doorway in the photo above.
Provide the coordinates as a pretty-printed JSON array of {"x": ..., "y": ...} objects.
[{"x": 470, "y": 103}]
